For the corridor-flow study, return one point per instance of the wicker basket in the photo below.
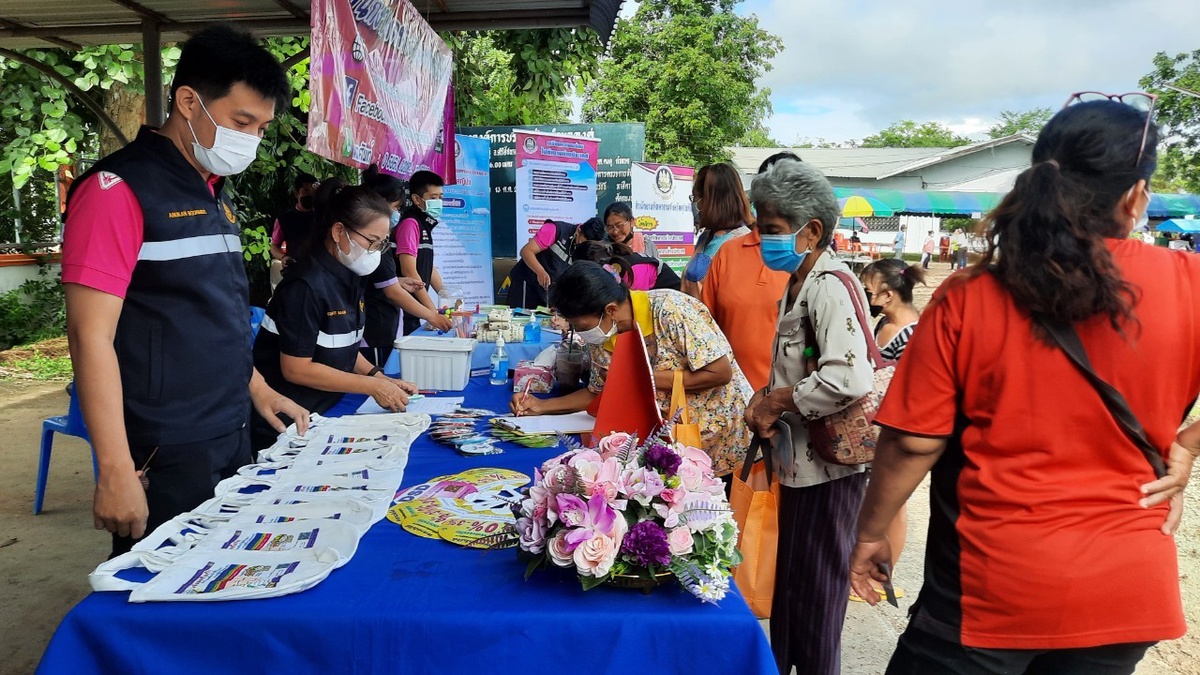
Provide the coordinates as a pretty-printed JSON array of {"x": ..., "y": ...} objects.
[{"x": 640, "y": 582}]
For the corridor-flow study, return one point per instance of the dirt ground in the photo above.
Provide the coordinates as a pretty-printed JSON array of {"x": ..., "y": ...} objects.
[{"x": 44, "y": 560}]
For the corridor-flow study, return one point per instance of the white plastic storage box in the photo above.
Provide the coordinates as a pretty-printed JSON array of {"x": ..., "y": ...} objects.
[{"x": 436, "y": 362}]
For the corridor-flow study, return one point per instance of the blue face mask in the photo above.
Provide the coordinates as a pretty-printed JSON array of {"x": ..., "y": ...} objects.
[
  {"x": 395, "y": 219},
  {"x": 779, "y": 252}
]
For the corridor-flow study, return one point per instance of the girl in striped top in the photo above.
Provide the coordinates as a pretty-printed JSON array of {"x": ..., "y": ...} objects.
[{"x": 889, "y": 284}]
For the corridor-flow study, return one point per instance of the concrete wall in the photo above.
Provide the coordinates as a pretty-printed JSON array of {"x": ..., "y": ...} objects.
[{"x": 13, "y": 275}]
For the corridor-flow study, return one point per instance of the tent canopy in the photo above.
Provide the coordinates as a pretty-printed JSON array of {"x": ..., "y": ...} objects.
[
  {"x": 72, "y": 23},
  {"x": 1183, "y": 225},
  {"x": 968, "y": 203}
]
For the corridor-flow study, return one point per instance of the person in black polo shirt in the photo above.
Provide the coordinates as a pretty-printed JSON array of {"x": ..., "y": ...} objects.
[
  {"x": 414, "y": 239},
  {"x": 292, "y": 226},
  {"x": 546, "y": 256},
  {"x": 386, "y": 293},
  {"x": 308, "y": 344},
  {"x": 157, "y": 299}
]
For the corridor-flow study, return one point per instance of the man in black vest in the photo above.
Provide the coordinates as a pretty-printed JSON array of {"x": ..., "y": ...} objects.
[
  {"x": 157, "y": 298},
  {"x": 414, "y": 239}
]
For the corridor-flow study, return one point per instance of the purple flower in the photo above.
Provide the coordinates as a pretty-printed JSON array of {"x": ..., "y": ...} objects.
[
  {"x": 663, "y": 458},
  {"x": 647, "y": 542}
]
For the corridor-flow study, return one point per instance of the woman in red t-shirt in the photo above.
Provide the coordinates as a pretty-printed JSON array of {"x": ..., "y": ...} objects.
[{"x": 1050, "y": 547}]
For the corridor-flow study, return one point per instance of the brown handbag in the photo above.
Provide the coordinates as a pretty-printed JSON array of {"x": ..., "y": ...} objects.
[{"x": 848, "y": 437}]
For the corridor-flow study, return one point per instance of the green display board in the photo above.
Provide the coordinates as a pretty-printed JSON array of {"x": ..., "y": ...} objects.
[{"x": 620, "y": 146}]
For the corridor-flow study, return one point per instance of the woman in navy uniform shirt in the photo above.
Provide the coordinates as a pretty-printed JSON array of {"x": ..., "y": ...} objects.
[{"x": 309, "y": 340}]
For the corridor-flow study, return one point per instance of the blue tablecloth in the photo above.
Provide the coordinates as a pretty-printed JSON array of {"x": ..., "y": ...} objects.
[
  {"x": 410, "y": 605},
  {"x": 482, "y": 356}
]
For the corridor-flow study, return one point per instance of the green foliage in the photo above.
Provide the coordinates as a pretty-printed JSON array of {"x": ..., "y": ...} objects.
[
  {"x": 34, "y": 311},
  {"x": 1178, "y": 117},
  {"x": 520, "y": 77},
  {"x": 909, "y": 134},
  {"x": 1024, "y": 122},
  {"x": 687, "y": 68},
  {"x": 758, "y": 137},
  {"x": 39, "y": 367}
]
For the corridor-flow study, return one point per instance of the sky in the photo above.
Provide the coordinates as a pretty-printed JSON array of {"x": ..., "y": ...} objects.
[{"x": 852, "y": 67}]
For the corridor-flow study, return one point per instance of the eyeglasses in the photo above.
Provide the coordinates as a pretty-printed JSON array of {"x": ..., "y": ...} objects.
[
  {"x": 373, "y": 245},
  {"x": 617, "y": 226},
  {"x": 1138, "y": 100}
]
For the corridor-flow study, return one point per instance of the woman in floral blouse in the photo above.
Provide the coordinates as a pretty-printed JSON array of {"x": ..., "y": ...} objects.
[{"x": 679, "y": 334}]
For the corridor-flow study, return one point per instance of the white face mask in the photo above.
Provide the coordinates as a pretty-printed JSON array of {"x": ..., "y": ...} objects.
[
  {"x": 231, "y": 152},
  {"x": 597, "y": 335},
  {"x": 359, "y": 260}
]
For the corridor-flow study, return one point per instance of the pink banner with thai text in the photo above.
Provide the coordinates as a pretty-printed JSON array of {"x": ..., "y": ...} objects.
[{"x": 381, "y": 92}]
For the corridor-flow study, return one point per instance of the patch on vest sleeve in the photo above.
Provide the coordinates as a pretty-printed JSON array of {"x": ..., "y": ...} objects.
[
  {"x": 108, "y": 179},
  {"x": 229, "y": 212}
]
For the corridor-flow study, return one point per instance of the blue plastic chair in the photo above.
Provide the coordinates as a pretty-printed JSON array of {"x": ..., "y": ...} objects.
[
  {"x": 256, "y": 318},
  {"x": 70, "y": 424}
]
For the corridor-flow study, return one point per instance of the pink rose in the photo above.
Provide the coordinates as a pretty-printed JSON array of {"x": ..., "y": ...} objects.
[
  {"x": 557, "y": 547},
  {"x": 691, "y": 476},
  {"x": 611, "y": 444},
  {"x": 679, "y": 540},
  {"x": 642, "y": 485},
  {"x": 594, "y": 557},
  {"x": 533, "y": 534}
]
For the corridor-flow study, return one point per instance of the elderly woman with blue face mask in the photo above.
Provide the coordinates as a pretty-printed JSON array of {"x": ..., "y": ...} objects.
[{"x": 819, "y": 366}]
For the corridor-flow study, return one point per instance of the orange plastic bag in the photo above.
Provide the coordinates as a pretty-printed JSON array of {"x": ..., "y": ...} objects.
[
  {"x": 685, "y": 431},
  {"x": 755, "y": 502}
]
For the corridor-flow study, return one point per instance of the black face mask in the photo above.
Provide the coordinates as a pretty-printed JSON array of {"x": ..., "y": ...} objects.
[
  {"x": 876, "y": 310},
  {"x": 306, "y": 202}
]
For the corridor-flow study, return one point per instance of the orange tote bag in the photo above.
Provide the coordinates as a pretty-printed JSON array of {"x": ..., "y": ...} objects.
[{"x": 755, "y": 502}]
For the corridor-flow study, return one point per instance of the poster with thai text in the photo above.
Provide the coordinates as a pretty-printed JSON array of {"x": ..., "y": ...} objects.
[
  {"x": 556, "y": 180},
  {"x": 463, "y": 240},
  {"x": 662, "y": 209}
]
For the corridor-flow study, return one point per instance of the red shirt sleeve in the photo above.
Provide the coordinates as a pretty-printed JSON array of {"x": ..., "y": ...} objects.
[
  {"x": 922, "y": 398},
  {"x": 408, "y": 237},
  {"x": 546, "y": 235},
  {"x": 103, "y": 235}
]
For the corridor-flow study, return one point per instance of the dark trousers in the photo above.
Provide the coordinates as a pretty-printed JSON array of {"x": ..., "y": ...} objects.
[
  {"x": 919, "y": 652},
  {"x": 183, "y": 476},
  {"x": 411, "y": 324},
  {"x": 812, "y": 574}
]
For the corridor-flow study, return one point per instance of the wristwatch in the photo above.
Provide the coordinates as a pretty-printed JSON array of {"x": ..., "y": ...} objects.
[{"x": 374, "y": 371}]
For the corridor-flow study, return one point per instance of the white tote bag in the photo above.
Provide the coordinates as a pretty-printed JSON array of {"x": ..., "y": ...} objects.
[{"x": 234, "y": 562}]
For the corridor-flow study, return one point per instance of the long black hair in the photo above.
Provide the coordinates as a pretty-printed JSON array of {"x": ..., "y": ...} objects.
[
  {"x": 1048, "y": 234},
  {"x": 337, "y": 202},
  {"x": 585, "y": 289}
]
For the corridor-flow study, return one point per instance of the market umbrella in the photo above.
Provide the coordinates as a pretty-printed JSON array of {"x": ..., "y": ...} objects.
[{"x": 864, "y": 207}]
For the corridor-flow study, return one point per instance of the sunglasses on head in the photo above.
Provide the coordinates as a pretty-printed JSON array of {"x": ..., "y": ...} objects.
[{"x": 1138, "y": 100}]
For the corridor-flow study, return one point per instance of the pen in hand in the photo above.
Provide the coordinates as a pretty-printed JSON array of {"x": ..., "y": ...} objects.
[{"x": 524, "y": 397}]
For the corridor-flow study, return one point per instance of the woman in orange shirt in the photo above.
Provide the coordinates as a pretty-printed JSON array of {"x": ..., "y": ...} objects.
[
  {"x": 743, "y": 296},
  {"x": 1050, "y": 543}
]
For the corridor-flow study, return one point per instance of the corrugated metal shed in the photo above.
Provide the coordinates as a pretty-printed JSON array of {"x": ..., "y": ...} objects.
[
  {"x": 70, "y": 23},
  {"x": 840, "y": 162}
]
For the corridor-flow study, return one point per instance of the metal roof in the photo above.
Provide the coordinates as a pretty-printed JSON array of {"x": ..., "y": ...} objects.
[
  {"x": 876, "y": 163},
  {"x": 71, "y": 23},
  {"x": 839, "y": 162}
]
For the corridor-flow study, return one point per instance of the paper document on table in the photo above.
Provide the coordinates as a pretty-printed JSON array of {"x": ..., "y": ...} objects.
[
  {"x": 574, "y": 423},
  {"x": 428, "y": 406}
]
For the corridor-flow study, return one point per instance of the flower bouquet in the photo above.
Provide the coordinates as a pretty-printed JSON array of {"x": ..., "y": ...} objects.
[{"x": 627, "y": 510}]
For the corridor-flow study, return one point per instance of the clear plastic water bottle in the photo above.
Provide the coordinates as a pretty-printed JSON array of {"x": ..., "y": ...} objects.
[{"x": 499, "y": 363}]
